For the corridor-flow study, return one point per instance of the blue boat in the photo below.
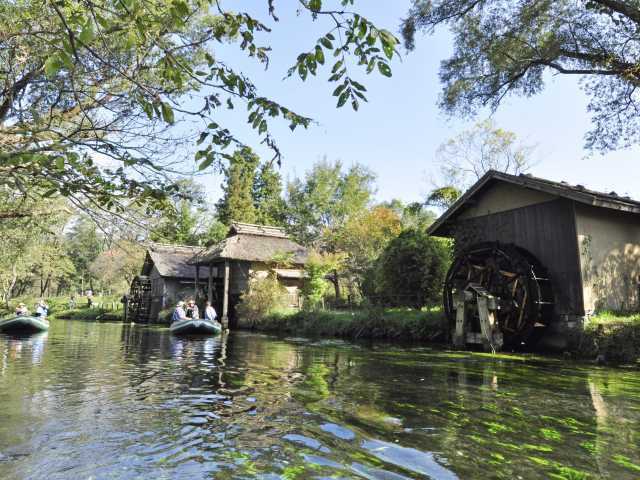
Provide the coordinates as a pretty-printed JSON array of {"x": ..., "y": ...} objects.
[
  {"x": 195, "y": 326},
  {"x": 24, "y": 324}
]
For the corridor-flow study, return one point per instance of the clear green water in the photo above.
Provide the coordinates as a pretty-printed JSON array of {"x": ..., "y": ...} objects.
[{"x": 105, "y": 401}]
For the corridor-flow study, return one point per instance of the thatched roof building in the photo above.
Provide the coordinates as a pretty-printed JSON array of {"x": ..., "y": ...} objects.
[
  {"x": 172, "y": 261},
  {"x": 254, "y": 243},
  {"x": 250, "y": 251}
]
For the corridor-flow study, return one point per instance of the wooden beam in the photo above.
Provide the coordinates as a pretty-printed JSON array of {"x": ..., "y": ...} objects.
[
  {"x": 195, "y": 288},
  {"x": 210, "y": 287},
  {"x": 225, "y": 297}
]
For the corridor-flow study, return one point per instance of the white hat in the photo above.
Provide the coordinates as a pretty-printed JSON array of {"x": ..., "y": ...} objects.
[{"x": 181, "y": 303}]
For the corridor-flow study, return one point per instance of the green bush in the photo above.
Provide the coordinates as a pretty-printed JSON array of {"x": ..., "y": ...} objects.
[
  {"x": 264, "y": 296},
  {"x": 410, "y": 272}
]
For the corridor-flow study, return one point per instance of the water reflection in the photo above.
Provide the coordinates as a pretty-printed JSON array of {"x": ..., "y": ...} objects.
[{"x": 123, "y": 401}]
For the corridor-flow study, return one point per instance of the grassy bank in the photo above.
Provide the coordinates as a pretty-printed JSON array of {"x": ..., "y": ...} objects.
[
  {"x": 610, "y": 338},
  {"x": 606, "y": 338},
  {"x": 396, "y": 323},
  {"x": 99, "y": 314},
  {"x": 59, "y": 308}
]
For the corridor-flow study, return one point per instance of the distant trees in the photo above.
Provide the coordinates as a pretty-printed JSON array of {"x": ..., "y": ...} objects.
[
  {"x": 252, "y": 192},
  {"x": 504, "y": 48},
  {"x": 466, "y": 157}
]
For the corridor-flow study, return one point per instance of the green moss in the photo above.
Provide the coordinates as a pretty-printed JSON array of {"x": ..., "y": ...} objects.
[
  {"x": 551, "y": 434},
  {"x": 626, "y": 462}
]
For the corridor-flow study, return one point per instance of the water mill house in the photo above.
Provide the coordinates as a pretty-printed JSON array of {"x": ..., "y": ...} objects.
[
  {"x": 249, "y": 252},
  {"x": 534, "y": 258},
  {"x": 221, "y": 272}
]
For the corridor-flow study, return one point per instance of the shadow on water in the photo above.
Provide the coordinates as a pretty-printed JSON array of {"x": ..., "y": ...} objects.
[{"x": 100, "y": 400}]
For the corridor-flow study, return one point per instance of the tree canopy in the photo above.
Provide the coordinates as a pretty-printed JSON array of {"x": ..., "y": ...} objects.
[
  {"x": 465, "y": 158},
  {"x": 505, "y": 48},
  {"x": 91, "y": 91}
]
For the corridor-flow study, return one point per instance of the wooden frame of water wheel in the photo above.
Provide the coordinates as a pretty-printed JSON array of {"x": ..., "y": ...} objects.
[{"x": 512, "y": 275}]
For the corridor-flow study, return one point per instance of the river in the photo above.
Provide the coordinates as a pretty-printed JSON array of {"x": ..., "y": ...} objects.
[{"x": 112, "y": 401}]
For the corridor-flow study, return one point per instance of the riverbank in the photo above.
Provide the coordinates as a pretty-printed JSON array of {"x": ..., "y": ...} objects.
[
  {"x": 606, "y": 338},
  {"x": 393, "y": 323}
]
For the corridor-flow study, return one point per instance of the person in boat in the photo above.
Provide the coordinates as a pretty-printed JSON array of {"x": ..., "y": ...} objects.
[
  {"x": 179, "y": 313},
  {"x": 210, "y": 313},
  {"x": 192, "y": 309},
  {"x": 42, "y": 309},
  {"x": 21, "y": 310}
]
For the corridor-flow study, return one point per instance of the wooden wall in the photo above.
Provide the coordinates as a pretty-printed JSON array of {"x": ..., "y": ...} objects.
[{"x": 548, "y": 231}]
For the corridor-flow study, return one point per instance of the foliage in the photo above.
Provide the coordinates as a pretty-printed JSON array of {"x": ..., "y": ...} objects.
[
  {"x": 320, "y": 204},
  {"x": 411, "y": 270},
  {"x": 118, "y": 266},
  {"x": 443, "y": 197},
  {"x": 84, "y": 243},
  {"x": 390, "y": 323},
  {"x": 462, "y": 160},
  {"x": 92, "y": 92},
  {"x": 364, "y": 237},
  {"x": 503, "y": 47},
  {"x": 315, "y": 286},
  {"x": 265, "y": 296},
  {"x": 267, "y": 196},
  {"x": 236, "y": 204}
]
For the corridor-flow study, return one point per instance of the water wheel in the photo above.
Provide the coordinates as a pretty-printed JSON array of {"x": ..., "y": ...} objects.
[
  {"x": 512, "y": 275},
  {"x": 139, "y": 302}
]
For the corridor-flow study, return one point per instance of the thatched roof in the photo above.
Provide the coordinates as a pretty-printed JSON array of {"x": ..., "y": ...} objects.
[
  {"x": 254, "y": 243},
  {"x": 173, "y": 261},
  {"x": 577, "y": 193}
]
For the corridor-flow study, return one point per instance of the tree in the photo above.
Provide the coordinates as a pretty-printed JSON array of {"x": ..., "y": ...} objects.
[
  {"x": 319, "y": 206},
  {"x": 364, "y": 237},
  {"x": 118, "y": 266},
  {"x": 267, "y": 196},
  {"x": 411, "y": 270},
  {"x": 321, "y": 203},
  {"x": 317, "y": 267},
  {"x": 187, "y": 218},
  {"x": 84, "y": 243},
  {"x": 466, "y": 157},
  {"x": 503, "y": 47},
  {"x": 91, "y": 91},
  {"x": 237, "y": 203}
]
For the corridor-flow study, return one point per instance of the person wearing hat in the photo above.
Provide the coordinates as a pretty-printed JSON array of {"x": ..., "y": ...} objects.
[
  {"x": 192, "y": 309},
  {"x": 21, "y": 310},
  {"x": 179, "y": 313},
  {"x": 42, "y": 309}
]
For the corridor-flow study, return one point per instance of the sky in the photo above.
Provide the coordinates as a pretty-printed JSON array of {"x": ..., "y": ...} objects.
[{"x": 399, "y": 131}]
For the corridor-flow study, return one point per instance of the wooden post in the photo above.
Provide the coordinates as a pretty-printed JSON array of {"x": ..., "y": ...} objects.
[
  {"x": 225, "y": 297},
  {"x": 210, "y": 286},
  {"x": 459, "y": 338},
  {"x": 195, "y": 288}
]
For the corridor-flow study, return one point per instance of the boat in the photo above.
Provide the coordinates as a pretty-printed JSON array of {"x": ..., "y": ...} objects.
[
  {"x": 195, "y": 326},
  {"x": 24, "y": 324}
]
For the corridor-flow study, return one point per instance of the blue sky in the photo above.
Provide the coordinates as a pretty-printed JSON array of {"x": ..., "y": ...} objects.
[{"x": 398, "y": 132}]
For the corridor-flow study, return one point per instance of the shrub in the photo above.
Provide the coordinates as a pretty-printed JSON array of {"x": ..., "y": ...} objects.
[
  {"x": 265, "y": 296},
  {"x": 410, "y": 272}
]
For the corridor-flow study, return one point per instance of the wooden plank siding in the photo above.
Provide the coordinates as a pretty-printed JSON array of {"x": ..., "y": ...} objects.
[{"x": 548, "y": 231}]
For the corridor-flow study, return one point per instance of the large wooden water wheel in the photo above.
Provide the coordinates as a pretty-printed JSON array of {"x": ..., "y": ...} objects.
[
  {"x": 518, "y": 281},
  {"x": 139, "y": 301}
]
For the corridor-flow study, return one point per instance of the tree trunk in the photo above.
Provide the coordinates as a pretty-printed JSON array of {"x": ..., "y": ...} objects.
[
  {"x": 336, "y": 284},
  {"x": 12, "y": 284}
]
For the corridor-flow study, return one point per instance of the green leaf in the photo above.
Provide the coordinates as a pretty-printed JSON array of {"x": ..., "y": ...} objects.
[
  {"x": 206, "y": 163},
  {"x": 319, "y": 55},
  {"x": 87, "y": 34},
  {"x": 60, "y": 163},
  {"x": 326, "y": 43},
  {"x": 343, "y": 98},
  {"x": 52, "y": 66},
  {"x": 384, "y": 69},
  {"x": 167, "y": 113},
  {"x": 315, "y": 5}
]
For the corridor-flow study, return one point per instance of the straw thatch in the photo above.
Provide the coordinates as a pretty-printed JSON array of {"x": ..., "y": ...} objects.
[
  {"x": 254, "y": 243},
  {"x": 172, "y": 261}
]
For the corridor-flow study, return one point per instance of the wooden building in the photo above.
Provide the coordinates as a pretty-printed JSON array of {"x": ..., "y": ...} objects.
[
  {"x": 587, "y": 242},
  {"x": 248, "y": 252},
  {"x": 168, "y": 276}
]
